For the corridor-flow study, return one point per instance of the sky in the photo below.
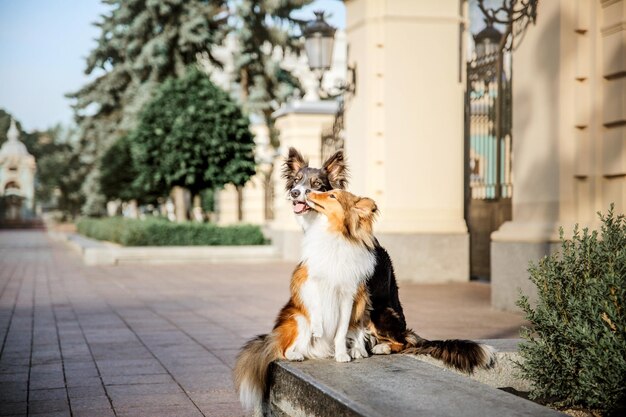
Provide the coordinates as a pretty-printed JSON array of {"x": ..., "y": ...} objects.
[{"x": 43, "y": 46}]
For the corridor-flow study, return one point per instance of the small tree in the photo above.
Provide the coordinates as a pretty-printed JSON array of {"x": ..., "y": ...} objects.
[
  {"x": 60, "y": 175},
  {"x": 575, "y": 351},
  {"x": 118, "y": 174},
  {"x": 192, "y": 135}
]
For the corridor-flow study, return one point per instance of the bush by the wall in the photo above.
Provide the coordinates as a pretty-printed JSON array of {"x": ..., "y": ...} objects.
[
  {"x": 575, "y": 350},
  {"x": 157, "y": 232}
]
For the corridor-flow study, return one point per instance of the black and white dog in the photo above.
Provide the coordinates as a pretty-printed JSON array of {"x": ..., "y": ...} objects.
[{"x": 388, "y": 332}]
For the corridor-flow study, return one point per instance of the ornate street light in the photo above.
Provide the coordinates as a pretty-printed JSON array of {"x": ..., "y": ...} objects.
[
  {"x": 319, "y": 40},
  {"x": 487, "y": 41}
]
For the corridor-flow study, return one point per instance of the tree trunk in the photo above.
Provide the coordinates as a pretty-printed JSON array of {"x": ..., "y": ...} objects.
[
  {"x": 245, "y": 86},
  {"x": 179, "y": 195},
  {"x": 240, "y": 203},
  {"x": 133, "y": 209},
  {"x": 268, "y": 186},
  {"x": 198, "y": 214}
]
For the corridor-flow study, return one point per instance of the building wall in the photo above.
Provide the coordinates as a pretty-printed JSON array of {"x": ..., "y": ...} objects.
[
  {"x": 300, "y": 124},
  {"x": 404, "y": 130},
  {"x": 569, "y": 144}
]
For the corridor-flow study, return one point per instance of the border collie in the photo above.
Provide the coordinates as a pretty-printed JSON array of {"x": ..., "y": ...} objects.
[
  {"x": 388, "y": 332},
  {"x": 328, "y": 294}
]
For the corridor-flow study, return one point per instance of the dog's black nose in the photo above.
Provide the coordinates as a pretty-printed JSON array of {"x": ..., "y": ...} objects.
[{"x": 295, "y": 193}]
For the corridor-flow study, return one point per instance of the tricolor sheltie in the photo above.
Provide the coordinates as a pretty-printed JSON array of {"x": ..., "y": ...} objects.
[
  {"x": 344, "y": 297},
  {"x": 387, "y": 330},
  {"x": 329, "y": 300}
]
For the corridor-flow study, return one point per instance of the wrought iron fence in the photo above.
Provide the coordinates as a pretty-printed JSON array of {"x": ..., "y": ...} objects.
[
  {"x": 333, "y": 137},
  {"x": 488, "y": 131}
]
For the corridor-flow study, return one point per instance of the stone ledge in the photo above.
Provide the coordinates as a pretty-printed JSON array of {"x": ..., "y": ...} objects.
[
  {"x": 503, "y": 375},
  {"x": 95, "y": 252},
  {"x": 382, "y": 386}
]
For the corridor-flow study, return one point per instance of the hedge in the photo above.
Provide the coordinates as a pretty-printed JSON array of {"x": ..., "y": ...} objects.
[
  {"x": 575, "y": 352},
  {"x": 158, "y": 232}
]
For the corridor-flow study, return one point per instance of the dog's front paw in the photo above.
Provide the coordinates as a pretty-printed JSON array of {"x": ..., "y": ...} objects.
[
  {"x": 342, "y": 357},
  {"x": 381, "y": 349},
  {"x": 294, "y": 356},
  {"x": 358, "y": 353}
]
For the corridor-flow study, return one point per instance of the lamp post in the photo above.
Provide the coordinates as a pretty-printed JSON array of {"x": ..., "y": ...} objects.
[{"x": 319, "y": 40}]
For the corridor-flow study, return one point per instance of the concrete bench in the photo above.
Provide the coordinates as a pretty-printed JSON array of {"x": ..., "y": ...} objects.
[{"x": 385, "y": 386}]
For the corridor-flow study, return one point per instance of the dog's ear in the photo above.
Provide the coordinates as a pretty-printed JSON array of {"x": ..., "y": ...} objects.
[
  {"x": 293, "y": 163},
  {"x": 337, "y": 171},
  {"x": 366, "y": 208}
]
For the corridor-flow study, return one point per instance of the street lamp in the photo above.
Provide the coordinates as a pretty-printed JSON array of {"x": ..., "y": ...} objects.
[
  {"x": 319, "y": 40},
  {"x": 487, "y": 41}
]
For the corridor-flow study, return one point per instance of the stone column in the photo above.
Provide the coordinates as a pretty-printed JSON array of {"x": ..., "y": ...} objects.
[
  {"x": 300, "y": 124},
  {"x": 404, "y": 131},
  {"x": 569, "y": 145},
  {"x": 253, "y": 206},
  {"x": 613, "y": 39}
]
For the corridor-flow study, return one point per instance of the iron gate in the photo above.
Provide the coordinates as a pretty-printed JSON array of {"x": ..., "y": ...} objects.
[
  {"x": 488, "y": 186},
  {"x": 332, "y": 138}
]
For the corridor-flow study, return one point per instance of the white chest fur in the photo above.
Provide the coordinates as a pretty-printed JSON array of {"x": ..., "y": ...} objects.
[
  {"x": 330, "y": 258},
  {"x": 336, "y": 267}
]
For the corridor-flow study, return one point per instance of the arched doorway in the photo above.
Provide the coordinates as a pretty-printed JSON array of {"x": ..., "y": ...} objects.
[{"x": 12, "y": 201}]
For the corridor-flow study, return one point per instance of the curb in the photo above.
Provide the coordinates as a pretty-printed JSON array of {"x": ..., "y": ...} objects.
[{"x": 95, "y": 252}]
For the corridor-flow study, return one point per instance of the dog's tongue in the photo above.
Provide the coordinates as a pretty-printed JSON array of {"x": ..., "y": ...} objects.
[{"x": 299, "y": 207}]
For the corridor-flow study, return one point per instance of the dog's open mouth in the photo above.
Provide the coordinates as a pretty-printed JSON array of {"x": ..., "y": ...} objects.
[{"x": 300, "y": 207}]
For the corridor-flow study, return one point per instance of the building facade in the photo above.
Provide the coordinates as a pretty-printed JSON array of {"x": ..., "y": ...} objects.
[
  {"x": 569, "y": 133},
  {"x": 17, "y": 178},
  {"x": 405, "y": 128}
]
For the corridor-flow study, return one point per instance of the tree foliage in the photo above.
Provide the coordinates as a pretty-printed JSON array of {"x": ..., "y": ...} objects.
[
  {"x": 575, "y": 351},
  {"x": 118, "y": 174},
  {"x": 141, "y": 43},
  {"x": 265, "y": 33},
  {"x": 60, "y": 174},
  {"x": 193, "y": 135}
]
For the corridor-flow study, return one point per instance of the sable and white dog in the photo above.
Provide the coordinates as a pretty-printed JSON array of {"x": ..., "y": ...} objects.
[{"x": 328, "y": 299}]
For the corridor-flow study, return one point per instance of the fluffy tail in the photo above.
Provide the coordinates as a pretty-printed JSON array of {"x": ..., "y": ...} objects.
[
  {"x": 251, "y": 367},
  {"x": 463, "y": 355}
]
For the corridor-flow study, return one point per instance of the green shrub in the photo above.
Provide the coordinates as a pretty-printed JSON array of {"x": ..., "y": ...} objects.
[
  {"x": 575, "y": 350},
  {"x": 159, "y": 232}
]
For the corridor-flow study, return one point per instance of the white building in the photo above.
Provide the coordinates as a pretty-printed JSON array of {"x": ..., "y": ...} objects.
[{"x": 17, "y": 178}]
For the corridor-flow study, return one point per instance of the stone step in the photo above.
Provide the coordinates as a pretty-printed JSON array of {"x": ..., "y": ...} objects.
[{"x": 384, "y": 386}]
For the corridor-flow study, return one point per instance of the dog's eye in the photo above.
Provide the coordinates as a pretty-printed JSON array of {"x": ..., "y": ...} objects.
[{"x": 332, "y": 196}]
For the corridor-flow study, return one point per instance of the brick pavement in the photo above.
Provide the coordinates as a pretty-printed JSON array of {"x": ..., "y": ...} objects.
[{"x": 161, "y": 340}]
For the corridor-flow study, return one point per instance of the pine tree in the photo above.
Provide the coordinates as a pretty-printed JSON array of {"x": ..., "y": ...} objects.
[
  {"x": 142, "y": 42},
  {"x": 264, "y": 32}
]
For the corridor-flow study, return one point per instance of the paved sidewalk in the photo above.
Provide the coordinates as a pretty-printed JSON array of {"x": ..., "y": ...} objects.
[{"x": 161, "y": 340}]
